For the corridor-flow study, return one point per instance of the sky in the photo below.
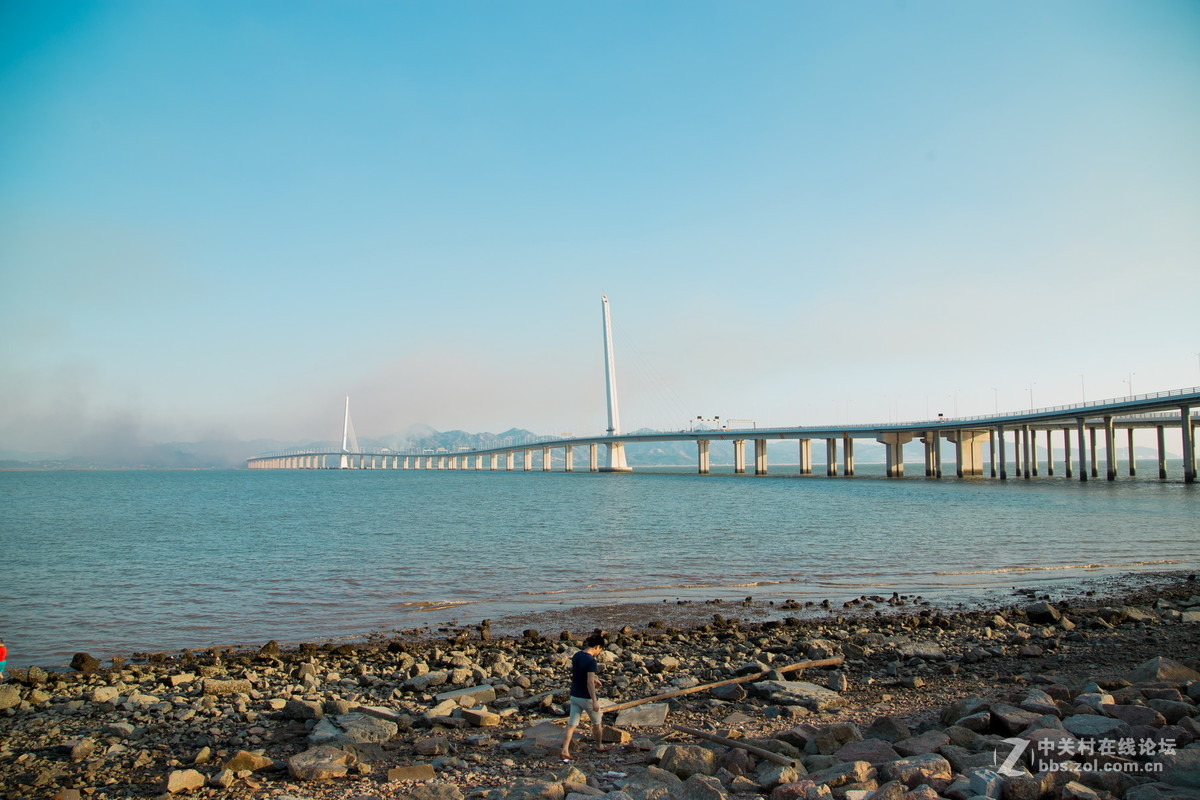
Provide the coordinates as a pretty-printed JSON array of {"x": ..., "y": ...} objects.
[{"x": 219, "y": 218}]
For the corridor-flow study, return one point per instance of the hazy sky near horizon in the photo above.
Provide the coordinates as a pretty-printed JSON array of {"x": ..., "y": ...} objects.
[{"x": 219, "y": 217}]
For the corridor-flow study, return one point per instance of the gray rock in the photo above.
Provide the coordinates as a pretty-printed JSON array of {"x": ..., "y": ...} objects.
[
  {"x": 84, "y": 663},
  {"x": 1161, "y": 791},
  {"x": 1163, "y": 669},
  {"x": 799, "y": 693},
  {"x": 1042, "y": 613},
  {"x": 685, "y": 760},
  {"x": 699, "y": 787},
  {"x": 10, "y": 696},
  {"x": 889, "y": 729},
  {"x": 1094, "y": 725},
  {"x": 1181, "y": 768},
  {"x": 648, "y": 715},
  {"x": 873, "y": 751},
  {"x": 985, "y": 782},
  {"x": 929, "y": 768},
  {"x": 1173, "y": 710},
  {"x": 320, "y": 764},
  {"x": 841, "y": 774},
  {"x": 927, "y": 742},
  {"x": 183, "y": 780}
]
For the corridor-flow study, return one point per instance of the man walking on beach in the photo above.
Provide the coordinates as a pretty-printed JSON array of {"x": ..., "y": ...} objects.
[{"x": 584, "y": 684}]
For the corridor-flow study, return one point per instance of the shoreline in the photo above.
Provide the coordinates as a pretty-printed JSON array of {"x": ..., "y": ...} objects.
[
  {"x": 126, "y": 730},
  {"x": 691, "y": 606}
]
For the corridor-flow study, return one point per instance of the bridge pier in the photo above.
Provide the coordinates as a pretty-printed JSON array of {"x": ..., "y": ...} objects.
[
  {"x": 593, "y": 459},
  {"x": 739, "y": 456},
  {"x": 1080, "y": 426},
  {"x": 1067, "y": 452},
  {"x": 847, "y": 455},
  {"x": 509, "y": 458},
  {"x": 1110, "y": 450},
  {"x": 806, "y": 456},
  {"x": 702, "y": 460},
  {"x": 968, "y": 452},
  {"x": 1189, "y": 445},
  {"x": 1132, "y": 457},
  {"x": 930, "y": 463},
  {"x": 1050, "y": 452},
  {"x": 547, "y": 459},
  {"x": 568, "y": 459},
  {"x": 1025, "y": 448},
  {"x": 760, "y": 456},
  {"x": 1162, "y": 452},
  {"x": 1092, "y": 445},
  {"x": 528, "y": 460},
  {"x": 894, "y": 449},
  {"x": 831, "y": 467}
]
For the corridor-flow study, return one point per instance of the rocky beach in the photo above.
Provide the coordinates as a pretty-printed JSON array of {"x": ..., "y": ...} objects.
[{"x": 1058, "y": 696}]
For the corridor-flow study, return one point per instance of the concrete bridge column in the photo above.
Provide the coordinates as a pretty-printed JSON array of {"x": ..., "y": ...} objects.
[
  {"x": 760, "y": 456},
  {"x": 992, "y": 451},
  {"x": 1050, "y": 451},
  {"x": 593, "y": 458},
  {"x": 442, "y": 462},
  {"x": 1162, "y": 453},
  {"x": 493, "y": 461},
  {"x": 1067, "y": 452},
  {"x": 831, "y": 468},
  {"x": 968, "y": 452},
  {"x": 894, "y": 448},
  {"x": 1132, "y": 457},
  {"x": 1003, "y": 456},
  {"x": 509, "y": 460},
  {"x": 930, "y": 465},
  {"x": 1080, "y": 424},
  {"x": 739, "y": 456},
  {"x": 806, "y": 456},
  {"x": 568, "y": 459},
  {"x": 1110, "y": 450},
  {"x": 547, "y": 459},
  {"x": 847, "y": 455},
  {"x": 702, "y": 462},
  {"x": 478, "y": 462},
  {"x": 528, "y": 460},
  {"x": 1189, "y": 444},
  {"x": 1092, "y": 440},
  {"x": 1025, "y": 443},
  {"x": 452, "y": 462},
  {"x": 1033, "y": 453}
]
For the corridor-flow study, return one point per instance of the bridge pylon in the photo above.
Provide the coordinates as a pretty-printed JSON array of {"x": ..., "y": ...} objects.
[{"x": 615, "y": 461}]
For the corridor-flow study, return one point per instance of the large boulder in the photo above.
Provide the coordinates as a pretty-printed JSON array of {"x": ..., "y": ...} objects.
[
  {"x": 799, "y": 693},
  {"x": 320, "y": 763},
  {"x": 1163, "y": 669},
  {"x": 84, "y": 663},
  {"x": 686, "y": 760}
]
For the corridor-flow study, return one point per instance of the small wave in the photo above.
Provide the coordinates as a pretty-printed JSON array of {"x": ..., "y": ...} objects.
[
  {"x": 1061, "y": 567},
  {"x": 431, "y": 605}
]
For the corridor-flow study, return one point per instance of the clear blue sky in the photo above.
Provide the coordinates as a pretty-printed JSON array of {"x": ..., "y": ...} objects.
[{"x": 219, "y": 218}]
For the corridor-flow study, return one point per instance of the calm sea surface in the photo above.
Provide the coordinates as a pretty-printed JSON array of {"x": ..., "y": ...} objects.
[{"x": 120, "y": 562}]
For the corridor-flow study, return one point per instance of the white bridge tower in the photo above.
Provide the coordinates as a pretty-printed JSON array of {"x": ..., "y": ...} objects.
[{"x": 616, "y": 450}]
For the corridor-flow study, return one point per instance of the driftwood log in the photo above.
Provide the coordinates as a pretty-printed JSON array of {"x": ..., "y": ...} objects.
[
  {"x": 823, "y": 662},
  {"x": 749, "y": 748}
]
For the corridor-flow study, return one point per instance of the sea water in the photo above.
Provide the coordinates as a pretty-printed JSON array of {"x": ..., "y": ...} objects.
[{"x": 117, "y": 562}]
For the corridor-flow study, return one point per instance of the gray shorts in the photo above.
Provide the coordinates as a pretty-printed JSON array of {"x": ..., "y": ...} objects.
[{"x": 583, "y": 704}]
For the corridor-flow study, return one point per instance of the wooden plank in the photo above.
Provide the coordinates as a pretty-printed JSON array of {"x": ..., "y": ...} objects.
[{"x": 823, "y": 662}]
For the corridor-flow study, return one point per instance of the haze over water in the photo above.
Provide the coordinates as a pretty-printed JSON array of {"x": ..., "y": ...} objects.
[{"x": 120, "y": 562}]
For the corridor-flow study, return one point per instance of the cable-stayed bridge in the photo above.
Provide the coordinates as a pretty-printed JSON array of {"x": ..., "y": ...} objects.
[{"x": 1089, "y": 434}]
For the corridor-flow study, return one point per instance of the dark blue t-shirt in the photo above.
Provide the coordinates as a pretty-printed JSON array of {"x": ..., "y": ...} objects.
[{"x": 581, "y": 664}]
